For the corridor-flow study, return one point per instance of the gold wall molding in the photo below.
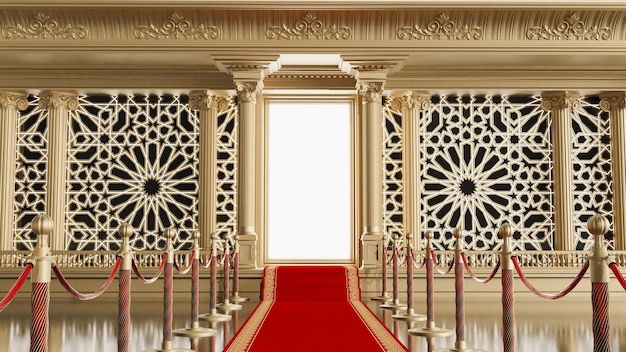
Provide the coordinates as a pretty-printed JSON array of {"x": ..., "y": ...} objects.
[
  {"x": 43, "y": 26},
  {"x": 572, "y": 27},
  {"x": 440, "y": 28},
  {"x": 309, "y": 27},
  {"x": 176, "y": 26}
]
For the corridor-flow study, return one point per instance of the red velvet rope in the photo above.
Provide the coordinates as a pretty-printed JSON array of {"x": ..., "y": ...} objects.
[
  {"x": 207, "y": 264},
  {"x": 442, "y": 272},
  {"x": 185, "y": 271},
  {"x": 415, "y": 265},
  {"x": 156, "y": 276},
  {"x": 16, "y": 287},
  {"x": 618, "y": 275},
  {"x": 480, "y": 281},
  {"x": 557, "y": 295},
  {"x": 88, "y": 296}
]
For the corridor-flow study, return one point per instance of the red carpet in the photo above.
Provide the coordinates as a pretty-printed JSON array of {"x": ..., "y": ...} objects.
[{"x": 312, "y": 308}]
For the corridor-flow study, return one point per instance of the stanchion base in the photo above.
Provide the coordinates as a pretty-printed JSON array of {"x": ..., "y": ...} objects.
[
  {"x": 431, "y": 332},
  {"x": 385, "y": 298},
  {"x": 229, "y": 307},
  {"x": 409, "y": 317},
  {"x": 173, "y": 349},
  {"x": 215, "y": 317},
  {"x": 395, "y": 306},
  {"x": 459, "y": 350},
  {"x": 238, "y": 299},
  {"x": 195, "y": 333}
]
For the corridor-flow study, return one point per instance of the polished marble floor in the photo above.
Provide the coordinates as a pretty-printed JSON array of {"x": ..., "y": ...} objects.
[{"x": 541, "y": 325}]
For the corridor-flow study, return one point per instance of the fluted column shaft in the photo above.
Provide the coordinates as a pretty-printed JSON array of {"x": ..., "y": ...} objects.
[
  {"x": 59, "y": 105},
  {"x": 246, "y": 204},
  {"x": 371, "y": 94},
  {"x": 208, "y": 106},
  {"x": 615, "y": 103},
  {"x": 10, "y": 104},
  {"x": 411, "y": 104},
  {"x": 560, "y": 105}
]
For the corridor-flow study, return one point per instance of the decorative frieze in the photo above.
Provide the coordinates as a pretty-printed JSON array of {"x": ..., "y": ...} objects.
[
  {"x": 42, "y": 26},
  {"x": 176, "y": 27},
  {"x": 572, "y": 27},
  {"x": 441, "y": 28},
  {"x": 309, "y": 27}
]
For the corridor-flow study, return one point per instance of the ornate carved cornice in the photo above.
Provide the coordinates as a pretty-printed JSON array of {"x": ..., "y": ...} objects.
[
  {"x": 560, "y": 100},
  {"x": 371, "y": 92},
  {"x": 571, "y": 28},
  {"x": 49, "y": 100},
  {"x": 13, "y": 99},
  {"x": 441, "y": 28},
  {"x": 176, "y": 27},
  {"x": 199, "y": 100},
  {"x": 42, "y": 26},
  {"x": 613, "y": 101},
  {"x": 308, "y": 27},
  {"x": 247, "y": 91}
]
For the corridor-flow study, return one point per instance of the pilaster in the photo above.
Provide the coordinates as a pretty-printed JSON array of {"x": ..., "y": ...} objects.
[
  {"x": 208, "y": 105},
  {"x": 411, "y": 104},
  {"x": 615, "y": 103},
  {"x": 59, "y": 104},
  {"x": 560, "y": 106},
  {"x": 10, "y": 104}
]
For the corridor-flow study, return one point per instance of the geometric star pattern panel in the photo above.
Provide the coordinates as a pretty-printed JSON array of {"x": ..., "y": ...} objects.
[
  {"x": 30, "y": 175},
  {"x": 485, "y": 161},
  {"x": 132, "y": 159},
  {"x": 392, "y": 175},
  {"x": 592, "y": 169}
]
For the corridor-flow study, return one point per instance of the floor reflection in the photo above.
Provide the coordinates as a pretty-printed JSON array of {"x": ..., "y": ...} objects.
[{"x": 541, "y": 325}]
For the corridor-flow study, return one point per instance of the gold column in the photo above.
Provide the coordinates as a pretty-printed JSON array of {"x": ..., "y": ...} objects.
[
  {"x": 560, "y": 105},
  {"x": 208, "y": 106},
  {"x": 247, "y": 92},
  {"x": 10, "y": 104},
  {"x": 615, "y": 103},
  {"x": 371, "y": 94},
  {"x": 59, "y": 105},
  {"x": 411, "y": 104}
]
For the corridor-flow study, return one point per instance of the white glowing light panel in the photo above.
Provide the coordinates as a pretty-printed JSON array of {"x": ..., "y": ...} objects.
[{"x": 309, "y": 181}]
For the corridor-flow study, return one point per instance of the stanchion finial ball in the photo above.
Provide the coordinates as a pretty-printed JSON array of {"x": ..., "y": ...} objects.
[
  {"x": 169, "y": 233},
  {"x": 505, "y": 230},
  {"x": 126, "y": 230},
  {"x": 458, "y": 233},
  {"x": 598, "y": 225},
  {"x": 195, "y": 235},
  {"x": 42, "y": 224},
  {"x": 428, "y": 235}
]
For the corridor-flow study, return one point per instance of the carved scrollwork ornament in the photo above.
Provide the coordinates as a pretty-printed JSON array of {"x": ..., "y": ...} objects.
[
  {"x": 247, "y": 92},
  {"x": 613, "y": 103},
  {"x": 309, "y": 27},
  {"x": 371, "y": 92},
  {"x": 176, "y": 27},
  {"x": 571, "y": 28},
  {"x": 199, "y": 101},
  {"x": 441, "y": 28},
  {"x": 43, "y": 26},
  {"x": 558, "y": 102},
  {"x": 14, "y": 100},
  {"x": 58, "y": 100}
]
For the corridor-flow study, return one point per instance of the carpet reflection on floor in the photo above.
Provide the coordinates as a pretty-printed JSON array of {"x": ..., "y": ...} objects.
[{"x": 548, "y": 326}]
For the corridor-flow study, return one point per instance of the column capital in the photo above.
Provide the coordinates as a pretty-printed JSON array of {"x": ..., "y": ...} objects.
[
  {"x": 58, "y": 99},
  {"x": 204, "y": 100},
  {"x": 612, "y": 101},
  {"x": 560, "y": 100},
  {"x": 411, "y": 100},
  {"x": 371, "y": 91},
  {"x": 247, "y": 91},
  {"x": 13, "y": 99}
]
